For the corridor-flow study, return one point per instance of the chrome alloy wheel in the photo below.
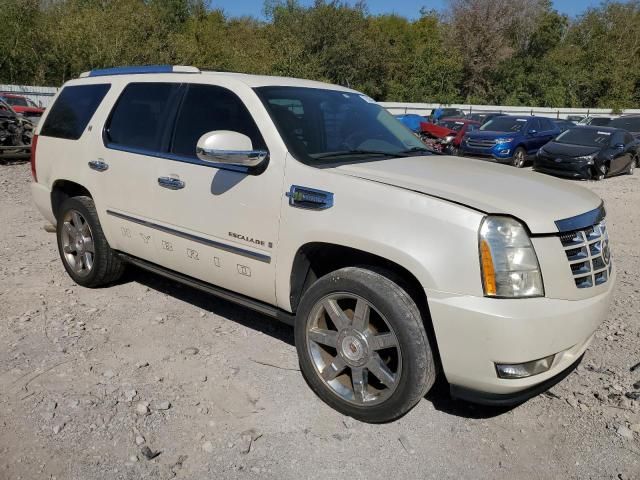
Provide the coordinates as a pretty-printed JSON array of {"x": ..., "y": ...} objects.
[
  {"x": 77, "y": 243},
  {"x": 353, "y": 349},
  {"x": 519, "y": 158}
]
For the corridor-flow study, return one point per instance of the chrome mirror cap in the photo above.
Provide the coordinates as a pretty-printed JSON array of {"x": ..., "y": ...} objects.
[{"x": 232, "y": 148}]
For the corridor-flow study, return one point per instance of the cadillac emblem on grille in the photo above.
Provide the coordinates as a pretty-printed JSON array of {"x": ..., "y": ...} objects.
[{"x": 588, "y": 254}]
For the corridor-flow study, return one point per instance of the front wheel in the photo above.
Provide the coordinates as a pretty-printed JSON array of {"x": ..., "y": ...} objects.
[
  {"x": 519, "y": 157},
  {"x": 362, "y": 345},
  {"x": 601, "y": 172}
]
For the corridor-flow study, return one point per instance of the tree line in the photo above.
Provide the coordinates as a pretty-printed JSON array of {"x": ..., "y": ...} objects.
[{"x": 504, "y": 52}]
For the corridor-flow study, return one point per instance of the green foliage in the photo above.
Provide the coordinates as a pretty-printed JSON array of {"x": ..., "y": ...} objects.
[{"x": 519, "y": 52}]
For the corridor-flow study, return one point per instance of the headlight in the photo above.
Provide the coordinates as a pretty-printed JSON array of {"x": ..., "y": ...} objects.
[
  {"x": 508, "y": 261},
  {"x": 448, "y": 139},
  {"x": 504, "y": 140},
  {"x": 587, "y": 158}
]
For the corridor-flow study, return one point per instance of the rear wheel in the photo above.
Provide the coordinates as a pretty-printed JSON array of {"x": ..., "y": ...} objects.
[
  {"x": 519, "y": 157},
  {"x": 362, "y": 345},
  {"x": 83, "y": 248}
]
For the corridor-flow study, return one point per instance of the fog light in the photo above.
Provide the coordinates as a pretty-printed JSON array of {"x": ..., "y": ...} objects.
[
  {"x": 523, "y": 370},
  {"x": 505, "y": 152}
]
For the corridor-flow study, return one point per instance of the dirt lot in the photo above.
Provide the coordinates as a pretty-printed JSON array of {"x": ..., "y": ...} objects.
[{"x": 89, "y": 378}]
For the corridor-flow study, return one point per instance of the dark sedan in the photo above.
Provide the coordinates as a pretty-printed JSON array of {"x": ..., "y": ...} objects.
[
  {"x": 589, "y": 153},
  {"x": 630, "y": 123}
]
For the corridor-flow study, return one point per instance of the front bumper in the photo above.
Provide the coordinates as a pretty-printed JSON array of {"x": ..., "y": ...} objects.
[
  {"x": 567, "y": 169},
  {"x": 475, "y": 333},
  {"x": 500, "y": 152}
]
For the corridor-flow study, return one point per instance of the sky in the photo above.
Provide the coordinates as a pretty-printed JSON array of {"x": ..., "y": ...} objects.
[{"x": 406, "y": 8}]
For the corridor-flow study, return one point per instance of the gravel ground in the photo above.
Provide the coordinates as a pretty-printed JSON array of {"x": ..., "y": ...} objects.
[{"x": 148, "y": 379}]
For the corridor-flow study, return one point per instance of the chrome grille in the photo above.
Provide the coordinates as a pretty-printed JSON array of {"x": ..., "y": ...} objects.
[
  {"x": 588, "y": 254},
  {"x": 480, "y": 143}
]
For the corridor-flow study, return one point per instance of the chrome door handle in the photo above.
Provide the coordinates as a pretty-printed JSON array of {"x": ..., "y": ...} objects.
[
  {"x": 170, "y": 183},
  {"x": 98, "y": 165}
]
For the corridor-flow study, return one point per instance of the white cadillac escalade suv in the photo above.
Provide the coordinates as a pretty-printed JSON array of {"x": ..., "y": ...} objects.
[{"x": 310, "y": 203}]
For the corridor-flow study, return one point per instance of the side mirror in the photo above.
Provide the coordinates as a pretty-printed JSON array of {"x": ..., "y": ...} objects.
[
  {"x": 231, "y": 148},
  {"x": 619, "y": 146}
]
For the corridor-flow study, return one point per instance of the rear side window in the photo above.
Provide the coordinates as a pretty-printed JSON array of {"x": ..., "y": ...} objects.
[
  {"x": 73, "y": 110},
  {"x": 141, "y": 114},
  {"x": 206, "y": 108}
]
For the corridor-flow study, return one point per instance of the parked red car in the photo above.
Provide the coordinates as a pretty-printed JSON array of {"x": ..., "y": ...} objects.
[
  {"x": 23, "y": 105},
  {"x": 447, "y": 135}
]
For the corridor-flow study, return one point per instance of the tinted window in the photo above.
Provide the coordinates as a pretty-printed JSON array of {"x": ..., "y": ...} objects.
[
  {"x": 600, "y": 121},
  {"x": 628, "y": 138},
  {"x": 534, "y": 124},
  {"x": 618, "y": 139},
  {"x": 73, "y": 110},
  {"x": 547, "y": 124},
  {"x": 206, "y": 108},
  {"x": 140, "y": 115},
  {"x": 590, "y": 137},
  {"x": 321, "y": 126},
  {"x": 504, "y": 124},
  {"x": 17, "y": 101},
  {"x": 628, "y": 123}
]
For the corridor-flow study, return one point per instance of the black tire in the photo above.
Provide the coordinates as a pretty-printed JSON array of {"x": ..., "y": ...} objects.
[
  {"x": 106, "y": 267},
  {"x": 394, "y": 304},
  {"x": 519, "y": 158},
  {"x": 598, "y": 174}
]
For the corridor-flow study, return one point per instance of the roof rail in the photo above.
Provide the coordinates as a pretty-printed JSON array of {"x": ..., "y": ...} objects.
[{"x": 138, "y": 69}]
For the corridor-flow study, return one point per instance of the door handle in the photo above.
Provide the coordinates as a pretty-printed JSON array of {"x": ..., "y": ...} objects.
[
  {"x": 98, "y": 165},
  {"x": 170, "y": 183}
]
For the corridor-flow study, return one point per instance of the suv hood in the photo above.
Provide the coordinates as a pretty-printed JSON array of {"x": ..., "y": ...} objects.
[{"x": 538, "y": 200}]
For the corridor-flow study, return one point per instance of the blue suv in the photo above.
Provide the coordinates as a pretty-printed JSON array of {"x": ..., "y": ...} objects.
[{"x": 510, "y": 139}]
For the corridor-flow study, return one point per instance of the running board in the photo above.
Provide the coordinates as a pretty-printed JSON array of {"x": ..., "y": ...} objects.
[{"x": 236, "y": 298}]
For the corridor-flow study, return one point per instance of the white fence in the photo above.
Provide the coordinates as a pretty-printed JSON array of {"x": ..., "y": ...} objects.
[
  {"x": 44, "y": 95},
  {"x": 426, "y": 108},
  {"x": 41, "y": 96}
]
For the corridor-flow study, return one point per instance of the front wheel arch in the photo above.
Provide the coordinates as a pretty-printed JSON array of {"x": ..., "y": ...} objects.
[{"x": 315, "y": 259}]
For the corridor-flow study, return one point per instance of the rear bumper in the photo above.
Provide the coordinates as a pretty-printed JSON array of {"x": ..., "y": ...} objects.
[
  {"x": 42, "y": 199},
  {"x": 476, "y": 333}
]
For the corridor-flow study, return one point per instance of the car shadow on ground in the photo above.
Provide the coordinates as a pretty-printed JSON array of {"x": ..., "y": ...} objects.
[
  {"x": 229, "y": 310},
  {"x": 439, "y": 395}
]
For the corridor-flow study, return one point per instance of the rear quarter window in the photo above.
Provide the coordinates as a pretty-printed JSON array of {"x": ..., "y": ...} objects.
[{"x": 73, "y": 110}]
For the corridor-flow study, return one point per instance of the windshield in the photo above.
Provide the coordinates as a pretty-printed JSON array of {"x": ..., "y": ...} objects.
[
  {"x": 588, "y": 137},
  {"x": 631, "y": 124},
  {"x": 452, "y": 125},
  {"x": 504, "y": 124},
  {"x": 320, "y": 125},
  {"x": 17, "y": 101}
]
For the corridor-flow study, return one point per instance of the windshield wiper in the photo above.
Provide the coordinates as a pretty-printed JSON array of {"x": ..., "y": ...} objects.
[{"x": 346, "y": 153}]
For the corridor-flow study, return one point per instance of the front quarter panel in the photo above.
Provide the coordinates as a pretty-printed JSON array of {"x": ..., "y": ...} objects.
[{"x": 435, "y": 240}]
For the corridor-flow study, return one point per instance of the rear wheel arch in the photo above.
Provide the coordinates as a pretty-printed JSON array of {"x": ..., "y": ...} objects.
[{"x": 63, "y": 189}]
